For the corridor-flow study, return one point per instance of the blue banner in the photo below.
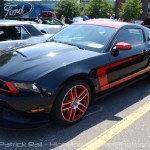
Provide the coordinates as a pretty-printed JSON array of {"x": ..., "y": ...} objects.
[{"x": 27, "y": 9}]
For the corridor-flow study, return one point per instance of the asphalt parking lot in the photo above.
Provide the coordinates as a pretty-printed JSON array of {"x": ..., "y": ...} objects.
[{"x": 101, "y": 117}]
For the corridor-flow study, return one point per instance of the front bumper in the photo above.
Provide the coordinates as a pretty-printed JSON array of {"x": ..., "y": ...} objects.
[{"x": 25, "y": 110}]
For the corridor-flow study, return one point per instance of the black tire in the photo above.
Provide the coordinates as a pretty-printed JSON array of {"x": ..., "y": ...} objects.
[
  {"x": 148, "y": 77},
  {"x": 72, "y": 103}
]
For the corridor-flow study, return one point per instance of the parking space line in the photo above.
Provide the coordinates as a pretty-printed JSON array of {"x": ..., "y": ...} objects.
[{"x": 103, "y": 138}]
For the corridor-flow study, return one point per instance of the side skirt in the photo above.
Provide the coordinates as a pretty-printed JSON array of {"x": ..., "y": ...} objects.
[{"x": 101, "y": 95}]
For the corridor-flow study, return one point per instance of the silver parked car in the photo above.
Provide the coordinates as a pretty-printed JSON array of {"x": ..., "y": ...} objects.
[{"x": 18, "y": 34}]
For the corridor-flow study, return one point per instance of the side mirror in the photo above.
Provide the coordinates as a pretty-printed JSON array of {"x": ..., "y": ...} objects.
[{"x": 123, "y": 46}]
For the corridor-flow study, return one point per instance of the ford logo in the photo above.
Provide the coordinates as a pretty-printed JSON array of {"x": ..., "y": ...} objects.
[{"x": 15, "y": 9}]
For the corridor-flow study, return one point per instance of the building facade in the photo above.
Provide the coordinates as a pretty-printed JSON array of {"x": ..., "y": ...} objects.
[{"x": 145, "y": 9}]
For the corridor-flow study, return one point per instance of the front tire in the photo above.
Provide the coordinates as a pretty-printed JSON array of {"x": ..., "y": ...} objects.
[{"x": 72, "y": 102}]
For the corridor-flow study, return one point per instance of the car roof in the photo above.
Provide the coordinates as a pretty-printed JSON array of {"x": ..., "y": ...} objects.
[
  {"x": 11, "y": 22},
  {"x": 106, "y": 23}
]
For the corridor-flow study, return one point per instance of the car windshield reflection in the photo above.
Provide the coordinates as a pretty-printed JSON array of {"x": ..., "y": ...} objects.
[{"x": 88, "y": 37}]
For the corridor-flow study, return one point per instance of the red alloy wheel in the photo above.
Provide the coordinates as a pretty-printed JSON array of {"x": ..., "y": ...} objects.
[{"x": 75, "y": 103}]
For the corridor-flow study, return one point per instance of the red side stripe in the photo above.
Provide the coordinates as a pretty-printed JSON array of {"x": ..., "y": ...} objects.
[
  {"x": 129, "y": 77},
  {"x": 102, "y": 76},
  {"x": 125, "y": 61},
  {"x": 102, "y": 73}
]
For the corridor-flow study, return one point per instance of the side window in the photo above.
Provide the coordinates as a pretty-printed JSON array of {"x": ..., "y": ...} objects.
[
  {"x": 56, "y": 22},
  {"x": 24, "y": 34},
  {"x": 132, "y": 36},
  {"x": 9, "y": 33},
  {"x": 52, "y": 22},
  {"x": 148, "y": 39}
]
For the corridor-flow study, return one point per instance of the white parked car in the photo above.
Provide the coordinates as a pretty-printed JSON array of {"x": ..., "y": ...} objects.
[
  {"x": 18, "y": 34},
  {"x": 50, "y": 26}
]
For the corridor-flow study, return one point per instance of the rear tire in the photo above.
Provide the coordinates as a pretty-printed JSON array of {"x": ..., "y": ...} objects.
[{"x": 72, "y": 102}]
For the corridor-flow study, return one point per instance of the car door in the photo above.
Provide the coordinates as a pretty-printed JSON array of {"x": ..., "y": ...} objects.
[{"x": 128, "y": 64}]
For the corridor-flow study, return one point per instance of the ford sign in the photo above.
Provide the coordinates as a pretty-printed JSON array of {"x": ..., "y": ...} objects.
[{"x": 15, "y": 9}]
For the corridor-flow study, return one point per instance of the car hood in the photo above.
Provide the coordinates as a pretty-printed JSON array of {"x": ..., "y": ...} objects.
[{"x": 27, "y": 64}]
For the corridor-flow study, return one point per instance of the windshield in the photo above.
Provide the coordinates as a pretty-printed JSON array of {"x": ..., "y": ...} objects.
[{"x": 90, "y": 37}]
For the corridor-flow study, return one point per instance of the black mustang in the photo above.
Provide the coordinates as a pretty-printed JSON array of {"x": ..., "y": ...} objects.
[{"x": 61, "y": 77}]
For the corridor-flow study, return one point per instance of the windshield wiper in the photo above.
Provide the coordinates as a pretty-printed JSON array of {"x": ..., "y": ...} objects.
[
  {"x": 74, "y": 45},
  {"x": 3, "y": 52},
  {"x": 15, "y": 49},
  {"x": 20, "y": 53},
  {"x": 52, "y": 40}
]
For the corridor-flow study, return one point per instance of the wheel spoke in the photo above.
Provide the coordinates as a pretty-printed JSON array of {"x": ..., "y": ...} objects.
[
  {"x": 82, "y": 95},
  {"x": 71, "y": 94},
  {"x": 80, "y": 110},
  {"x": 73, "y": 114},
  {"x": 70, "y": 114},
  {"x": 66, "y": 108},
  {"x": 83, "y": 105},
  {"x": 66, "y": 103},
  {"x": 75, "y": 92}
]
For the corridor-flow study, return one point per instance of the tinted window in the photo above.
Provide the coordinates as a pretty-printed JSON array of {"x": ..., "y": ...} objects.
[
  {"x": 24, "y": 34},
  {"x": 132, "y": 36},
  {"x": 10, "y": 33},
  {"x": 51, "y": 21},
  {"x": 32, "y": 30},
  {"x": 148, "y": 39},
  {"x": 56, "y": 22}
]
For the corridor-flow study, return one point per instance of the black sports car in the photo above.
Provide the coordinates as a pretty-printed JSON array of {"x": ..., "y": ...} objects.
[{"x": 61, "y": 77}]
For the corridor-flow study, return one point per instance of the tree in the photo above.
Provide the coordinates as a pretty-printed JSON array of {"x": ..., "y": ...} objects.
[
  {"x": 131, "y": 9},
  {"x": 68, "y": 8},
  {"x": 98, "y": 8}
]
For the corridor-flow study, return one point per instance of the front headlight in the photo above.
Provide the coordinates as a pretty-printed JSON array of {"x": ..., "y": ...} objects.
[{"x": 27, "y": 87}]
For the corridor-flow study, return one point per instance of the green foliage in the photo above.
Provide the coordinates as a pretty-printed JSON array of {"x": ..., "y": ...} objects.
[
  {"x": 98, "y": 8},
  {"x": 131, "y": 9},
  {"x": 68, "y": 8}
]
